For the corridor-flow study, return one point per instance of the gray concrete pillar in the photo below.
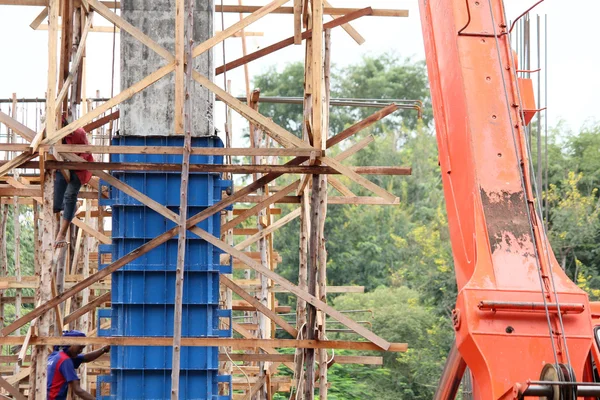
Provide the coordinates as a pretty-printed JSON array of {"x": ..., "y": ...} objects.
[{"x": 150, "y": 112}]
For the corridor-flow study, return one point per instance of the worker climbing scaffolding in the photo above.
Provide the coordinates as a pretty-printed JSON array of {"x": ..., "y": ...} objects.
[{"x": 67, "y": 185}]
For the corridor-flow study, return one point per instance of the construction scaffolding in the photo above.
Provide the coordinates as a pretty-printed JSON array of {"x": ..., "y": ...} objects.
[{"x": 69, "y": 287}]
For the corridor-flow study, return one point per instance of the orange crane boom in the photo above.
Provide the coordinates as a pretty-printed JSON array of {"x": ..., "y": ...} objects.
[{"x": 520, "y": 322}]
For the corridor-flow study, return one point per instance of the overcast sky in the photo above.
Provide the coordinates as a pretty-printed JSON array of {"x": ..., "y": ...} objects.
[{"x": 573, "y": 85}]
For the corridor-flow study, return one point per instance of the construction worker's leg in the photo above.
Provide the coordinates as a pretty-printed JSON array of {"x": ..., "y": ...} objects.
[
  {"x": 70, "y": 203},
  {"x": 60, "y": 186}
]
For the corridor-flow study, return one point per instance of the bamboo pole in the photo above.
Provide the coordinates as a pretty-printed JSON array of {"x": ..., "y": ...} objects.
[{"x": 185, "y": 171}]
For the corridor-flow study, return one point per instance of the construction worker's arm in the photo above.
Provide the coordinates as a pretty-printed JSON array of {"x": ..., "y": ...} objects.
[
  {"x": 89, "y": 357},
  {"x": 76, "y": 390}
]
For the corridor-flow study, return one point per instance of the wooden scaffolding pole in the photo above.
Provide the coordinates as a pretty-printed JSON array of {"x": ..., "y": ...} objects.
[
  {"x": 185, "y": 52},
  {"x": 45, "y": 289},
  {"x": 322, "y": 251}
]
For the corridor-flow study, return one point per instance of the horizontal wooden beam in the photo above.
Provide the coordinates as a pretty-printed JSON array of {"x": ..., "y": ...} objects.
[
  {"x": 290, "y": 41},
  {"x": 205, "y": 342},
  {"x": 225, "y": 151},
  {"x": 232, "y": 8},
  {"x": 281, "y": 358},
  {"x": 8, "y": 190},
  {"x": 253, "y": 199},
  {"x": 232, "y": 168}
]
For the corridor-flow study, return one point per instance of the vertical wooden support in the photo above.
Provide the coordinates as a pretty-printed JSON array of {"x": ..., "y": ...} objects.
[
  {"x": 297, "y": 21},
  {"x": 302, "y": 283},
  {"x": 85, "y": 272},
  {"x": 317, "y": 74},
  {"x": 311, "y": 311},
  {"x": 322, "y": 268},
  {"x": 179, "y": 64},
  {"x": 37, "y": 298},
  {"x": 66, "y": 39},
  {"x": 52, "y": 43},
  {"x": 185, "y": 171},
  {"x": 246, "y": 72},
  {"x": 16, "y": 231},
  {"x": 45, "y": 288}
]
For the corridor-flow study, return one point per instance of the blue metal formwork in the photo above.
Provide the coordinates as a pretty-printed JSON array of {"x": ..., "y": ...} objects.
[{"x": 143, "y": 291}]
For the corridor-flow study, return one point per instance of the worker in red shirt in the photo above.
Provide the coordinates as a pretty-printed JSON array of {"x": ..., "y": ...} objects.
[
  {"x": 65, "y": 193},
  {"x": 62, "y": 369}
]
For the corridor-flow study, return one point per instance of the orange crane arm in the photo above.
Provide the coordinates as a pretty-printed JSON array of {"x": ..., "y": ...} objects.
[{"x": 516, "y": 310}]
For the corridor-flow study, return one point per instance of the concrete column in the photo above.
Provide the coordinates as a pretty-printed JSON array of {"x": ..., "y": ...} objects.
[{"x": 150, "y": 112}]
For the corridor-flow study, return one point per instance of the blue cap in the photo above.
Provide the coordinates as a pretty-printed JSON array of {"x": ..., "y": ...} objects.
[{"x": 71, "y": 333}]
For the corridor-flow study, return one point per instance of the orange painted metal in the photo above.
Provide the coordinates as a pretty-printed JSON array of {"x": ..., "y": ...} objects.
[{"x": 498, "y": 247}]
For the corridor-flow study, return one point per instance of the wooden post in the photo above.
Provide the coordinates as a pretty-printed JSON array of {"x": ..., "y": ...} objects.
[
  {"x": 45, "y": 288},
  {"x": 322, "y": 265},
  {"x": 185, "y": 171},
  {"x": 302, "y": 282},
  {"x": 317, "y": 74},
  {"x": 85, "y": 296},
  {"x": 37, "y": 274},
  {"x": 65, "y": 49}
]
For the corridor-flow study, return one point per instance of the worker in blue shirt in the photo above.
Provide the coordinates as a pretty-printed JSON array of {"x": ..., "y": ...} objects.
[{"x": 62, "y": 366}]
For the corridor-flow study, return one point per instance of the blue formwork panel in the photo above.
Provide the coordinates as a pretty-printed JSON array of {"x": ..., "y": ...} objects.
[
  {"x": 204, "y": 189},
  {"x": 156, "y": 320},
  {"x": 158, "y": 287},
  {"x": 134, "y": 222},
  {"x": 175, "y": 141},
  {"x": 149, "y": 385},
  {"x": 159, "y": 357},
  {"x": 200, "y": 256}
]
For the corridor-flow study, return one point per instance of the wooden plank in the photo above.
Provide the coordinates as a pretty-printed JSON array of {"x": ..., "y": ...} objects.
[
  {"x": 244, "y": 214},
  {"x": 231, "y": 151},
  {"x": 326, "y": 10},
  {"x": 255, "y": 16},
  {"x": 91, "y": 231},
  {"x": 179, "y": 67},
  {"x": 17, "y": 127},
  {"x": 132, "y": 30},
  {"x": 290, "y": 41},
  {"x": 357, "y": 127},
  {"x": 124, "y": 95},
  {"x": 280, "y": 358},
  {"x": 340, "y": 187},
  {"x": 232, "y": 168},
  {"x": 259, "y": 306},
  {"x": 297, "y": 21},
  {"x": 205, "y": 342},
  {"x": 91, "y": 306},
  {"x": 279, "y": 134},
  {"x": 374, "y": 201},
  {"x": 235, "y": 8},
  {"x": 364, "y": 182},
  {"x": 66, "y": 43},
  {"x": 348, "y": 28},
  {"x": 185, "y": 109},
  {"x": 319, "y": 137},
  {"x": 269, "y": 229},
  {"x": 101, "y": 122},
  {"x": 39, "y": 19},
  {"x": 16, "y": 162},
  {"x": 76, "y": 60}
]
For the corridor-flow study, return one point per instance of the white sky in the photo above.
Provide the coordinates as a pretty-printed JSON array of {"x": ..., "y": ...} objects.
[{"x": 572, "y": 83}]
